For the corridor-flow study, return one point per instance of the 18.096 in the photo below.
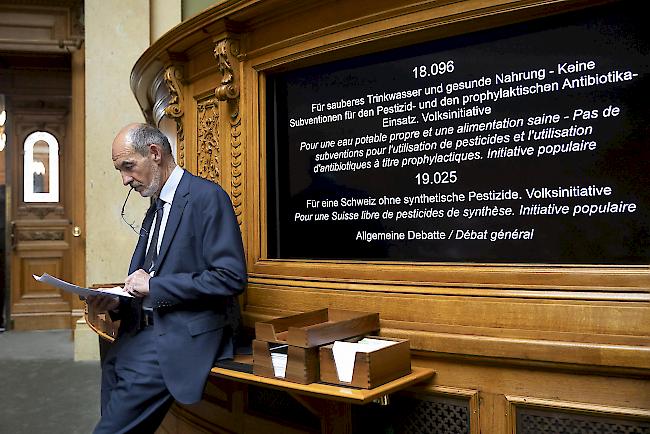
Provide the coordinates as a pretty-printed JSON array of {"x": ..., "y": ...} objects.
[
  {"x": 434, "y": 69},
  {"x": 425, "y": 178}
]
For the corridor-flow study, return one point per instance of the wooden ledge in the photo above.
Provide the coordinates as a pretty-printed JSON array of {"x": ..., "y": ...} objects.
[{"x": 327, "y": 391}]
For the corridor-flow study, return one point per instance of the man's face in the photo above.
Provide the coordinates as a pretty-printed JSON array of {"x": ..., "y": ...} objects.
[{"x": 137, "y": 171}]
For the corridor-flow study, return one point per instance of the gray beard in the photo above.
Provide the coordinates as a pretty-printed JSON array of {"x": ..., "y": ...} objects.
[{"x": 155, "y": 183}]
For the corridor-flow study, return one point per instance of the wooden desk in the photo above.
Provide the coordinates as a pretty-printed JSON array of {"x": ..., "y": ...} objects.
[{"x": 332, "y": 404}]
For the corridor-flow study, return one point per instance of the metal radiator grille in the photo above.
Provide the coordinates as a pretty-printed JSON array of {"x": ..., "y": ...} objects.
[
  {"x": 414, "y": 414},
  {"x": 533, "y": 421}
]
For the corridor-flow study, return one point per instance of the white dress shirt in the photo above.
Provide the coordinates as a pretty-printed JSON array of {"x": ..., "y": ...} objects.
[{"x": 167, "y": 196}]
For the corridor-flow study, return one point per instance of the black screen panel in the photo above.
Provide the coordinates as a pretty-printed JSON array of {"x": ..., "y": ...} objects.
[{"x": 526, "y": 143}]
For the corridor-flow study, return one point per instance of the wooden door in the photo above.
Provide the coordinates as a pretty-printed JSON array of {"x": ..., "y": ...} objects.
[{"x": 46, "y": 198}]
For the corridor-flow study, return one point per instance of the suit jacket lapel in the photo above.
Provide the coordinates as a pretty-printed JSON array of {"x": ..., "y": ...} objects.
[
  {"x": 140, "y": 248},
  {"x": 178, "y": 206}
]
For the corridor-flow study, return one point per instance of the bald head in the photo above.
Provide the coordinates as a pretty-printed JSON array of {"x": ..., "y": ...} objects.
[
  {"x": 143, "y": 156},
  {"x": 140, "y": 136}
]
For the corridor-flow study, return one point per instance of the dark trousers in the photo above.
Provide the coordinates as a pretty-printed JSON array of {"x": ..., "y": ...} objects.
[{"x": 134, "y": 396}]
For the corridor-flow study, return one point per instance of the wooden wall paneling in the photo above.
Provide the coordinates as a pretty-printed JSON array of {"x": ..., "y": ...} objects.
[
  {"x": 474, "y": 279},
  {"x": 207, "y": 131},
  {"x": 513, "y": 279},
  {"x": 499, "y": 313},
  {"x": 493, "y": 332},
  {"x": 360, "y": 28},
  {"x": 425, "y": 278},
  {"x": 568, "y": 408},
  {"x": 500, "y": 377},
  {"x": 488, "y": 327},
  {"x": 203, "y": 67},
  {"x": 224, "y": 409},
  {"x": 215, "y": 81}
]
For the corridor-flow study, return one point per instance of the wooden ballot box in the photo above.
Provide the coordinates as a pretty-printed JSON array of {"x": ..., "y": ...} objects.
[
  {"x": 369, "y": 367},
  {"x": 288, "y": 347}
]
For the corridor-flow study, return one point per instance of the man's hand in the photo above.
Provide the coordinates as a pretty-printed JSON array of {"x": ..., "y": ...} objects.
[
  {"x": 102, "y": 303},
  {"x": 137, "y": 284}
]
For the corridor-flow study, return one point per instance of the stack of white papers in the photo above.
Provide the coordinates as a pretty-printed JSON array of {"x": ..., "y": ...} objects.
[
  {"x": 279, "y": 361},
  {"x": 84, "y": 292},
  {"x": 345, "y": 353}
]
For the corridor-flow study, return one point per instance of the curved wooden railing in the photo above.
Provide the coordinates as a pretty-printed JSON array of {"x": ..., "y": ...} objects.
[{"x": 101, "y": 323}]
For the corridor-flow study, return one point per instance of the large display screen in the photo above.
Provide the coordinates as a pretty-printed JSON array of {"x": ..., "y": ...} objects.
[{"x": 524, "y": 144}]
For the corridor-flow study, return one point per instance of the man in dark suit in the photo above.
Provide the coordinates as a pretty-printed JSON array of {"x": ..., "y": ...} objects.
[{"x": 186, "y": 272}]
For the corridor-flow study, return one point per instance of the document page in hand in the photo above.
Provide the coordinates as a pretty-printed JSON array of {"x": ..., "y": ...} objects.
[{"x": 83, "y": 292}]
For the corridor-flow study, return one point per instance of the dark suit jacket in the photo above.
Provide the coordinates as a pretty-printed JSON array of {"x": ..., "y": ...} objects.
[{"x": 201, "y": 269}]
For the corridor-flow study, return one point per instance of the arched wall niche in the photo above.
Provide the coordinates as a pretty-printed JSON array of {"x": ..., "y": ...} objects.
[{"x": 41, "y": 167}]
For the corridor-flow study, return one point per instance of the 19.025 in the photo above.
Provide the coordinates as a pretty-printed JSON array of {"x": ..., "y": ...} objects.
[{"x": 445, "y": 177}]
